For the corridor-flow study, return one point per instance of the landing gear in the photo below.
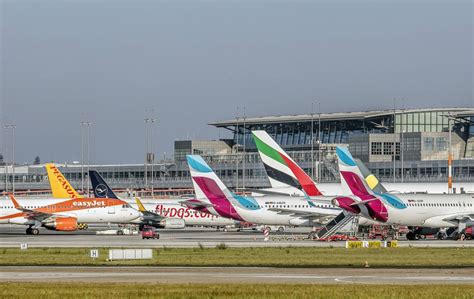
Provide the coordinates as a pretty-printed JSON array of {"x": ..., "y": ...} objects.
[
  {"x": 412, "y": 236},
  {"x": 82, "y": 226},
  {"x": 459, "y": 236},
  {"x": 32, "y": 231}
]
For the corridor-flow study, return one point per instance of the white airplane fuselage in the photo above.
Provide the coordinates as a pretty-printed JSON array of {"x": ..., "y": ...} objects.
[
  {"x": 430, "y": 210},
  {"x": 85, "y": 211},
  {"x": 278, "y": 210},
  {"x": 170, "y": 209}
]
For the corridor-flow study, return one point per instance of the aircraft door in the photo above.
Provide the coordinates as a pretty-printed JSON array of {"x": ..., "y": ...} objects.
[{"x": 111, "y": 209}]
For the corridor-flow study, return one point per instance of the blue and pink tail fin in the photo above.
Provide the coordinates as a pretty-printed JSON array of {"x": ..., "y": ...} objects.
[
  {"x": 210, "y": 189},
  {"x": 354, "y": 184},
  {"x": 207, "y": 184},
  {"x": 352, "y": 180}
]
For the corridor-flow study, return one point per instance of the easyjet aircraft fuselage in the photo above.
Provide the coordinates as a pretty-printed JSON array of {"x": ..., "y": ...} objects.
[{"x": 64, "y": 215}]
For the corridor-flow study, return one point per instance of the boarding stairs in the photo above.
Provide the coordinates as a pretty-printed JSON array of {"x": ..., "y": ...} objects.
[{"x": 336, "y": 224}]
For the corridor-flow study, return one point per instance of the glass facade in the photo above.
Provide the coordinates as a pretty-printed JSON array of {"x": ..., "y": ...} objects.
[
  {"x": 298, "y": 134},
  {"x": 426, "y": 121}
]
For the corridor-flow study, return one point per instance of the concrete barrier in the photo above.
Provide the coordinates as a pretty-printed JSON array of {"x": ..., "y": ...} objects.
[{"x": 130, "y": 254}]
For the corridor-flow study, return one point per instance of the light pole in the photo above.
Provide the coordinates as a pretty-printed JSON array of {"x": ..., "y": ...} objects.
[
  {"x": 11, "y": 127},
  {"x": 394, "y": 149},
  {"x": 151, "y": 121},
  {"x": 88, "y": 158},
  {"x": 85, "y": 125},
  {"x": 149, "y": 151},
  {"x": 237, "y": 149},
  {"x": 312, "y": 140},
  {"x": 146, "y": 153},
  {"x": 319, "y": 143},
  {"x": 82, "y": 157},
  {"x": 5, "y": 157},
  {"x": 243, "y": 152},
  {"x": 402, "y": 143}
]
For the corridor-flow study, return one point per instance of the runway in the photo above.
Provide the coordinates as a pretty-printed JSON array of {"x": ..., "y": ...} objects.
[
  {"x": 13, "y": 236},
  {"x": 236, "y": 275}
]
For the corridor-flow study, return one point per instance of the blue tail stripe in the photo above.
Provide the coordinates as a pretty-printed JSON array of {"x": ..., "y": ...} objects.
[
  {"x": 198, "y": 164},
  {"x": 345, "y": 156}
]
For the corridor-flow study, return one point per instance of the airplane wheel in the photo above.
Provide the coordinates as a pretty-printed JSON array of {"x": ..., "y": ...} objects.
[
  {"x": 411, "y": 236},
  {"x": 35, "y": 231}
]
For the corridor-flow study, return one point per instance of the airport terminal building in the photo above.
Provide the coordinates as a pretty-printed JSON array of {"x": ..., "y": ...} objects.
[{"x": 396, "y": 145}]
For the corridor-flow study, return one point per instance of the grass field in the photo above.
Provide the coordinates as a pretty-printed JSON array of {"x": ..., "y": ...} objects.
[
  {"x": 274, "y": 257},
  {"x": 170, "y": 291}
]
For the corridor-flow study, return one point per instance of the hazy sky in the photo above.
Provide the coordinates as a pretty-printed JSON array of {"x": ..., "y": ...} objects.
[{"x": 195, "y": 62}]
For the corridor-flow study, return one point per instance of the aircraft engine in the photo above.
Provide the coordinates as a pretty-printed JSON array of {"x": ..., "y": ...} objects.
[
  {"x": 61, "y": 224},
  {"x": 173, "y": 223}
]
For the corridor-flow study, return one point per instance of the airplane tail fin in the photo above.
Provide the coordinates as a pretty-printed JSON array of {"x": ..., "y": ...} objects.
[
  {"x": 100, "y": 187},
  {"x": 352, "y": 180},
  {"x": 211, "y": 190},
  {"x": 280, "y": 167},
  {"x": 60, "y": 186},
  {"x": 207, "y": 185},
  {"x": 371, "y": 180}
]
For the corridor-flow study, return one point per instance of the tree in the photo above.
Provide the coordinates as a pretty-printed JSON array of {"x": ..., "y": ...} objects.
[
  {"x": 37, "y": 161},
  {"x": 1, "y": 160}
]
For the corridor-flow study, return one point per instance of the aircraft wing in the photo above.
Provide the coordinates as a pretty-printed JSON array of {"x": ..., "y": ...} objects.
[
  {"x": 195, "y": 204},
  {"x": 29, "y": 213},
  {"x": 360, "y": 203},
  {"x": 463, "y": 217}
]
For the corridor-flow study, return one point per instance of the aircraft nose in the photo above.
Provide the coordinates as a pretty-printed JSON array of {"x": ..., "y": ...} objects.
[{"x": 134, "y": 214}]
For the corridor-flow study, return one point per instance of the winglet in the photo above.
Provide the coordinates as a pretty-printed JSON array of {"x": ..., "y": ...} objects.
[
  {"x": 141, "y": 208},
  {"x": 15, "y": 203}
]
